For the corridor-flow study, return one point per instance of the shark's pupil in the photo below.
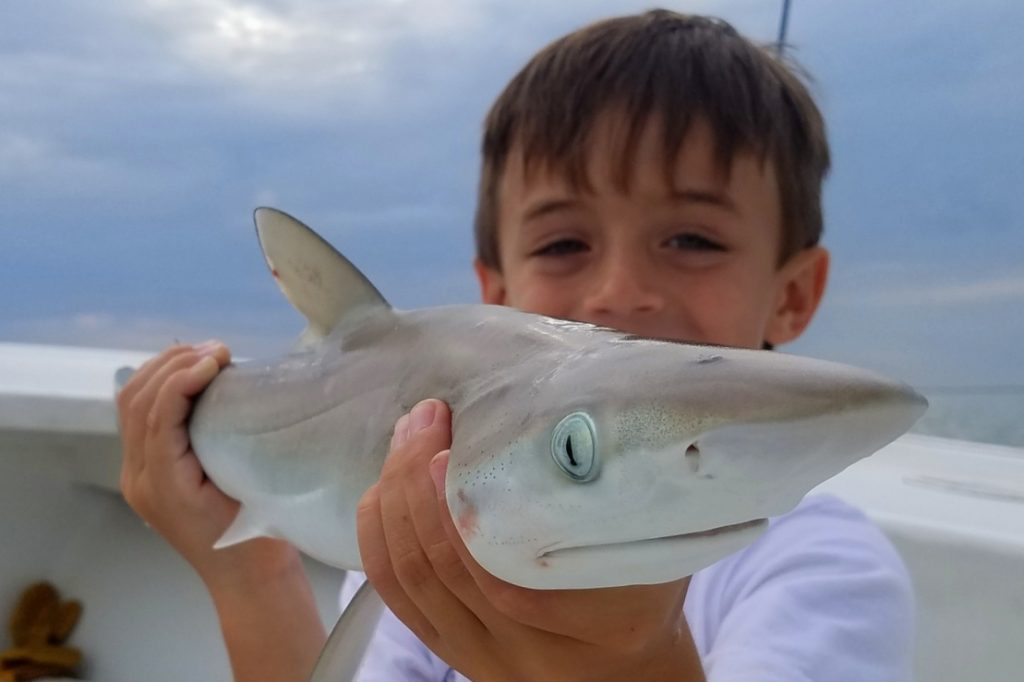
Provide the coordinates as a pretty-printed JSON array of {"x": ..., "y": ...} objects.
[{"x": 568, "y": 451}]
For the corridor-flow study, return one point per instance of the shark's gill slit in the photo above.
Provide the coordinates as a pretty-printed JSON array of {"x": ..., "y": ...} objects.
[{"x": 693, "y": 457}]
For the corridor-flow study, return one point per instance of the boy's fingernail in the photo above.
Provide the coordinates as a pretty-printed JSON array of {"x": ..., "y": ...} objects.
[
  {"x": 438, "y": 466},
  {"x": 204, "y": 367},
  {"x": 207, "y": 347},
  {"x": 422, "y": 415},
  {"x": 401, "y": 433}
]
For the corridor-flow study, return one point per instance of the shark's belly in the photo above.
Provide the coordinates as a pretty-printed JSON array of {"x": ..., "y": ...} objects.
[
  {"x": 341, "y": 448},
  {"x": 301, "y": 482}
]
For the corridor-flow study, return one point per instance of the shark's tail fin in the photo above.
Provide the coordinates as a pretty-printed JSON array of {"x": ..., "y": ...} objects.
[{"x": 340, "y": 658}]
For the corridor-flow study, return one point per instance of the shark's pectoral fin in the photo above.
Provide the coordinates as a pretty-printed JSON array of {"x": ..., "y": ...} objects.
[
  {"x": 321, "y": 283},
  {"x": 245, "y": 527}
]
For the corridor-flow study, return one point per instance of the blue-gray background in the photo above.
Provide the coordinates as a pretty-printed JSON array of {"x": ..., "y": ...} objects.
[{"x": 137, "y": 136}]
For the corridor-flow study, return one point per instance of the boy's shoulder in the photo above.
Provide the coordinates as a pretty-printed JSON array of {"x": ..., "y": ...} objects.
[
  {"x": 823, "y": 589},
  {"x": 822, "y": 533}
]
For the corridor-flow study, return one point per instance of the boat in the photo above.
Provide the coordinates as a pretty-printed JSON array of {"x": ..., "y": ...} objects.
[{"x": 953, "y": 508}]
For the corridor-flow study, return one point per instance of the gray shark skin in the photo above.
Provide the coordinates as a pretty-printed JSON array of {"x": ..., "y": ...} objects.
[{"x": 581, "y": 457}]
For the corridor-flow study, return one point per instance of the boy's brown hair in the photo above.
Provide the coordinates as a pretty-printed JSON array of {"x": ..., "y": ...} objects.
[{"x": 664, "y": 65}]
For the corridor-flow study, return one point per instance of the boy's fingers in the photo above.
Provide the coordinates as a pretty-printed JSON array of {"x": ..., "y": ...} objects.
[
  {"x": 415, "y": 591},
  {"x": 373, "y": 552},
  {"x": 446, "y": 562},
  {"x": 167, "y": 419},
  {"x": 141, "y": 376},
  {"x": 448, "y": 616},
  {"x": 128, "y": 402},
  {"x": 140, "y": 416},
  {"x": 217, "y": 350},
  {"x": 417, "y": 435},
  {"x": 401, "y": 432}
]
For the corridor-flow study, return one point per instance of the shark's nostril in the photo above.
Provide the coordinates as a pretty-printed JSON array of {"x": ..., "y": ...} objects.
[{"x": 693, "y": 458}]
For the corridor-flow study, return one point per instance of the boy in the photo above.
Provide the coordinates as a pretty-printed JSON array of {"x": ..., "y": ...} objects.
[{"x": 657, "y": 174}]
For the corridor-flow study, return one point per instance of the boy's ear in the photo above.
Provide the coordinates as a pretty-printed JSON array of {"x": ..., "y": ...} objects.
[
  {"x": 492, "y": 283},
  {"x": 801, "y": 287}
]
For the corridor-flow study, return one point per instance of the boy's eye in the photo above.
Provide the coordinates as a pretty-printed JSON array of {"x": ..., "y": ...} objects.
[
  {"x": 562, "y": 247},
  {"x": 689, "y": 241}
]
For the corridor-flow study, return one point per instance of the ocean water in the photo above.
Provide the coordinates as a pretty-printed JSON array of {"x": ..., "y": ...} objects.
[{"x": 990, "y": 417}]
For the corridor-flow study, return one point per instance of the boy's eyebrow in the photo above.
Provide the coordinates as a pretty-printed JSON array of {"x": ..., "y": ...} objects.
[
  {"x": 700, "y": 196},
  {"x": 548, "y": 206},
  {"x": 683, "y": 196}
]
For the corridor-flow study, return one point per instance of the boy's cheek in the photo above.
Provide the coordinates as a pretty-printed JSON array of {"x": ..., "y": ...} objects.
[{"x": 544, "y": 302}]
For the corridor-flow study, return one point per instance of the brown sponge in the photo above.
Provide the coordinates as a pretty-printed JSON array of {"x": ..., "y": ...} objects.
[
  {"x": 39, "y": 626},
  {"x": 33, "y": 614},
  {"x": 65, "y": 620}
]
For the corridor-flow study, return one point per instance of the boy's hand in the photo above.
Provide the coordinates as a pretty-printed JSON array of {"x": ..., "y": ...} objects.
[
  {"x": 162, "y": 480},
  {"x": 488, "y": 629}
]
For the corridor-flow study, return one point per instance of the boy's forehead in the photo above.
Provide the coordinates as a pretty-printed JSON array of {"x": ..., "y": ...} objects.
[{"x": 618, "y": 155}]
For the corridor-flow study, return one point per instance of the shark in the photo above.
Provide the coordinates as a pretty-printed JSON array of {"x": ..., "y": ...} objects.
[{"x": 581, "y": 457}]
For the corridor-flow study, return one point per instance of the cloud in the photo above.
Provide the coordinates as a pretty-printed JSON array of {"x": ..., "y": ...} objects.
[
  {"x": 25, "y": 155},
  {"x": 314, "y": 49},
  {"x": 303, "y": 57},
  {"x": 41, "y": 166}
]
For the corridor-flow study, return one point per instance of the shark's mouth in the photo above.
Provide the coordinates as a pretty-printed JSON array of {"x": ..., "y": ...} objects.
[{"x": 553, "y": 551}]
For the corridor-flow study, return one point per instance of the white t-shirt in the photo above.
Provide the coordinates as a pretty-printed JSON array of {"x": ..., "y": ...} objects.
[{"x": 822, "y": 596}]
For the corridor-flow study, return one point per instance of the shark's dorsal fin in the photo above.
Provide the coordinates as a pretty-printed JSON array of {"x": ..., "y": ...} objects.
[{"x": 321, "y": 283}]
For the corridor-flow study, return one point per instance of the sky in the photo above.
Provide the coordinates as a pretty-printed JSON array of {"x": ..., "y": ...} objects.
[{"x": 137, "y": 136}]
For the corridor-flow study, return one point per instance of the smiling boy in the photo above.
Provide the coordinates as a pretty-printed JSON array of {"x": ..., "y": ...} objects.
[{"x": 655, "y": 173}]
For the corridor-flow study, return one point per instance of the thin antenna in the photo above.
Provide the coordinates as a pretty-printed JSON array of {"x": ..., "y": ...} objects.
[{"x": 780, "y": 44}]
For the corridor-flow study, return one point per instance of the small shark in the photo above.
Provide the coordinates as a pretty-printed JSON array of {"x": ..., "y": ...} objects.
[{"x": 581, "y": 457}]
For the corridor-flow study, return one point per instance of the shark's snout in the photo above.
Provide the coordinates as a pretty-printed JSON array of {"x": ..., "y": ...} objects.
[{"x": 763, "y": 467}]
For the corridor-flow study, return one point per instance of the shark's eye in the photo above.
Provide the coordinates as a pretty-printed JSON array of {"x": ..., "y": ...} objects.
[{"x": 574, "y": 447}]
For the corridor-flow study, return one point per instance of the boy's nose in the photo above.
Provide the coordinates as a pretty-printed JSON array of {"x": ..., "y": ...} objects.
[{"x": 621, "y": 291}]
